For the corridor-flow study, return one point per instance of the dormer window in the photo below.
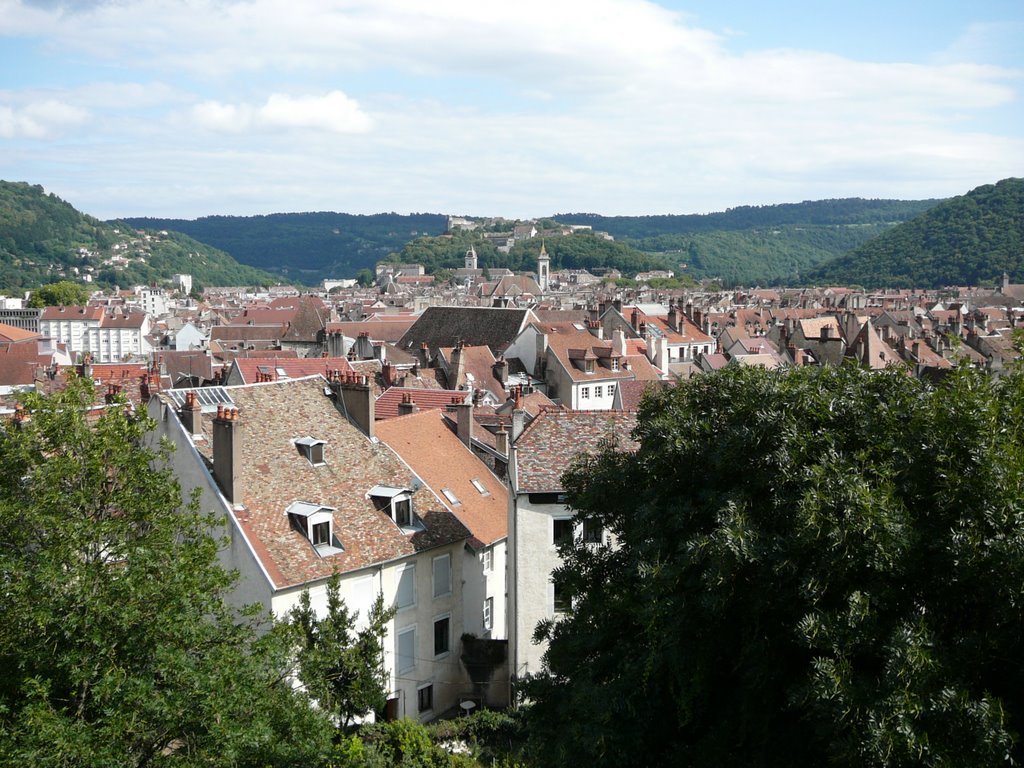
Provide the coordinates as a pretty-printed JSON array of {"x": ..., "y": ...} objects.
[
  {"x": 312, "y": 449},
  {"x": 396, "y": 503},
  {"x": 589, "y": 366},
  {"x": 316, "y": 523},
  {"x": 615, "y": 363}
]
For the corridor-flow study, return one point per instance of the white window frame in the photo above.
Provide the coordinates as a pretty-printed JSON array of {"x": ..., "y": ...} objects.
[
  {"x": 488, "y": 614},
  {"x": 398, "y": 644},
  {"x": 433, "y": 576},
  {"x": 598, "y": 391},
  {"x": 584, "y": 393},
  {"x": 448, "y": 638},
  {"x": 400, "y": 573},
  {"x": 487, "y": 559}
]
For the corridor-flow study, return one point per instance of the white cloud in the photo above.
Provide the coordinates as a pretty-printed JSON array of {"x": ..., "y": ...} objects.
[
  {"x": 39, "y": 120},
  {"x": 334, "y": 112}
]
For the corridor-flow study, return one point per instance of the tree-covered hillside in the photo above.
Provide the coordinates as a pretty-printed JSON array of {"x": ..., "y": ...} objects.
[
  {"x": 968, "y": 240},
  {"x": 751, "y": 245},
  {"x": 853, "y": 210},
  {"x": 583, "y": 250},
  {"x": 306, "y": 247},
  {"x": 44, "y": 239}
]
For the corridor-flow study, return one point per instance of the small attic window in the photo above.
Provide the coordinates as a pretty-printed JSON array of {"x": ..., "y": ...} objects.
[
  {"x": 312, "y": 449},
  {"x": 396, "y": 503},
  {"x": 281, "y": 373},
  {"x": 480, "y": 487},
  {"x": 316, "y": 523},
  {"x": 450, "y": 495}
]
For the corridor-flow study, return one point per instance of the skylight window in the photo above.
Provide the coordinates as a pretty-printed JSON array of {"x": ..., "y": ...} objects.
[
  {"x": 480, "y": 487},
  {"x": 450, "y": 495}
]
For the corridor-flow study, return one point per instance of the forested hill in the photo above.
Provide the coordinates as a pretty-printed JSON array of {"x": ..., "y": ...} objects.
[
  {"x": 756, "y": 245},
  {"x": 45, "y": 239},
  {"x": 846, "y": 211},
  {"x": 307, "y": 247},
  {"x": 968, "y": 240}
]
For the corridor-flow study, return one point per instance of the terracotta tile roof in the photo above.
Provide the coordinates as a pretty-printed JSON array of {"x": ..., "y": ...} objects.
[
  {"x": 9, "y": 333},
  {"x": 309, "y": 320},
  {"x": 548, "y": 445},
  {"x": 18, "y": 363},
  {"x": 263, "y": 316},
  {"x": 275, "y": 474},
  {"x": 247, "y": 333},
  {"x": 250, "y": 370},
  {"x": 72, "y": 313},
  {"x": 437, "y": 455},
  {"x": 631, "y": 392},
  {"x": 386, "y": 406},
  {"x": 389, "y": 329},
  {"x": 565, "y": 339}
]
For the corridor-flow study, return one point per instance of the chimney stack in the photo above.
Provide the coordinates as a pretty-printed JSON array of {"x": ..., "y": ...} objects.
[
  {"x": 227, "y": 453},
  {"x": 407, "y": 405},
  {"x": 353, "y": 397},
  {"x": 464, "y": 420},
  {"x": 144, "y": 388},
  {"x": 191, "y": 414},
  {"x": 501, "y": 440},
  {"x": 501, "y": 370}
]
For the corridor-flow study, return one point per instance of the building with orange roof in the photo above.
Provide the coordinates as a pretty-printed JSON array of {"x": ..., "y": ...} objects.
[
  {"x": 304, "y": 493},
  {"x": 478, "y": 498}
]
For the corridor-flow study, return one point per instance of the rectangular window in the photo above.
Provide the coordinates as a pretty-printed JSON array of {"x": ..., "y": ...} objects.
[
  {"x": 598, "y": 392},
  {"x": 585, "y": 393},
  {"x": 611, "y": 390},
  {"x": 561, "y": 530},
  {"x": 561, "y": 600},
  {"x": 405, "y": 595},
  {"x": 489, "y": 614},
  {"x": 487, "y": 559},
  {"x": 442, "y": 576},
  {"x": 592, "y": 532},
  {"x": 403, "y": 512},
  {"x": 405, "y": 650},
  {"x": 480, "y": 487},
  {"x": 321, "y": 533},
  {"x": 442, "y": 630},
  {"x": 425, "y": 698}
]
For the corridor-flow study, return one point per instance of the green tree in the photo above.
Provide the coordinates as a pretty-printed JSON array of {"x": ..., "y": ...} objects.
[
  {"x": 65, "y": 293},
  {"x": 117, "y": 645},
  {"x": 342, "y": 668},
  {"x": 813, "y": 567}
]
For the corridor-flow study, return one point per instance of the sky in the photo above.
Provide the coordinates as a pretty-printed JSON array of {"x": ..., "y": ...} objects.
[{"x": 187, "y": 108}]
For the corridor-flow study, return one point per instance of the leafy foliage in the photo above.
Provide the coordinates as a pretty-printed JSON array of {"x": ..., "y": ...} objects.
[
  {"x": 64, "y": 293},
  {"x": 44, "y": 239},
  {"x": 969, "y": 240},
  {"x": 817, "y": 566},
  {"x": 343, "y": 669},
  {"x": 306, "y": 247},
  {"x": 116, "y": 641}
]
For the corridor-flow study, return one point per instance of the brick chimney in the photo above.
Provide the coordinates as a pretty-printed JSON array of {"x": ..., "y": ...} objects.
[
  {"x": 634, "y": 319},
  {"x": 144, "y": 388},
  {"x": 353, "y": 397},
  {"x": 464, "y": 420},
  {"x": 407, "y": 405},
  {"x": 673, "y": 318},
  {"x": 191, "y": 414},
  {"x": 227, "y": 453},
  {"x": 501, "y": 440},
  {"x": 423, "y": 355},
  {"x": 387, "y": 372}
]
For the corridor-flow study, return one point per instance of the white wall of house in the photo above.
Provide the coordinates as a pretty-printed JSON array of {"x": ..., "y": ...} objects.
[{"x": 531, "y": 593}]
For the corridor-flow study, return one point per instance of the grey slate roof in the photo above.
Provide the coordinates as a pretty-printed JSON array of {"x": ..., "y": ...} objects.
[{"x": 474, "y": 326}]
